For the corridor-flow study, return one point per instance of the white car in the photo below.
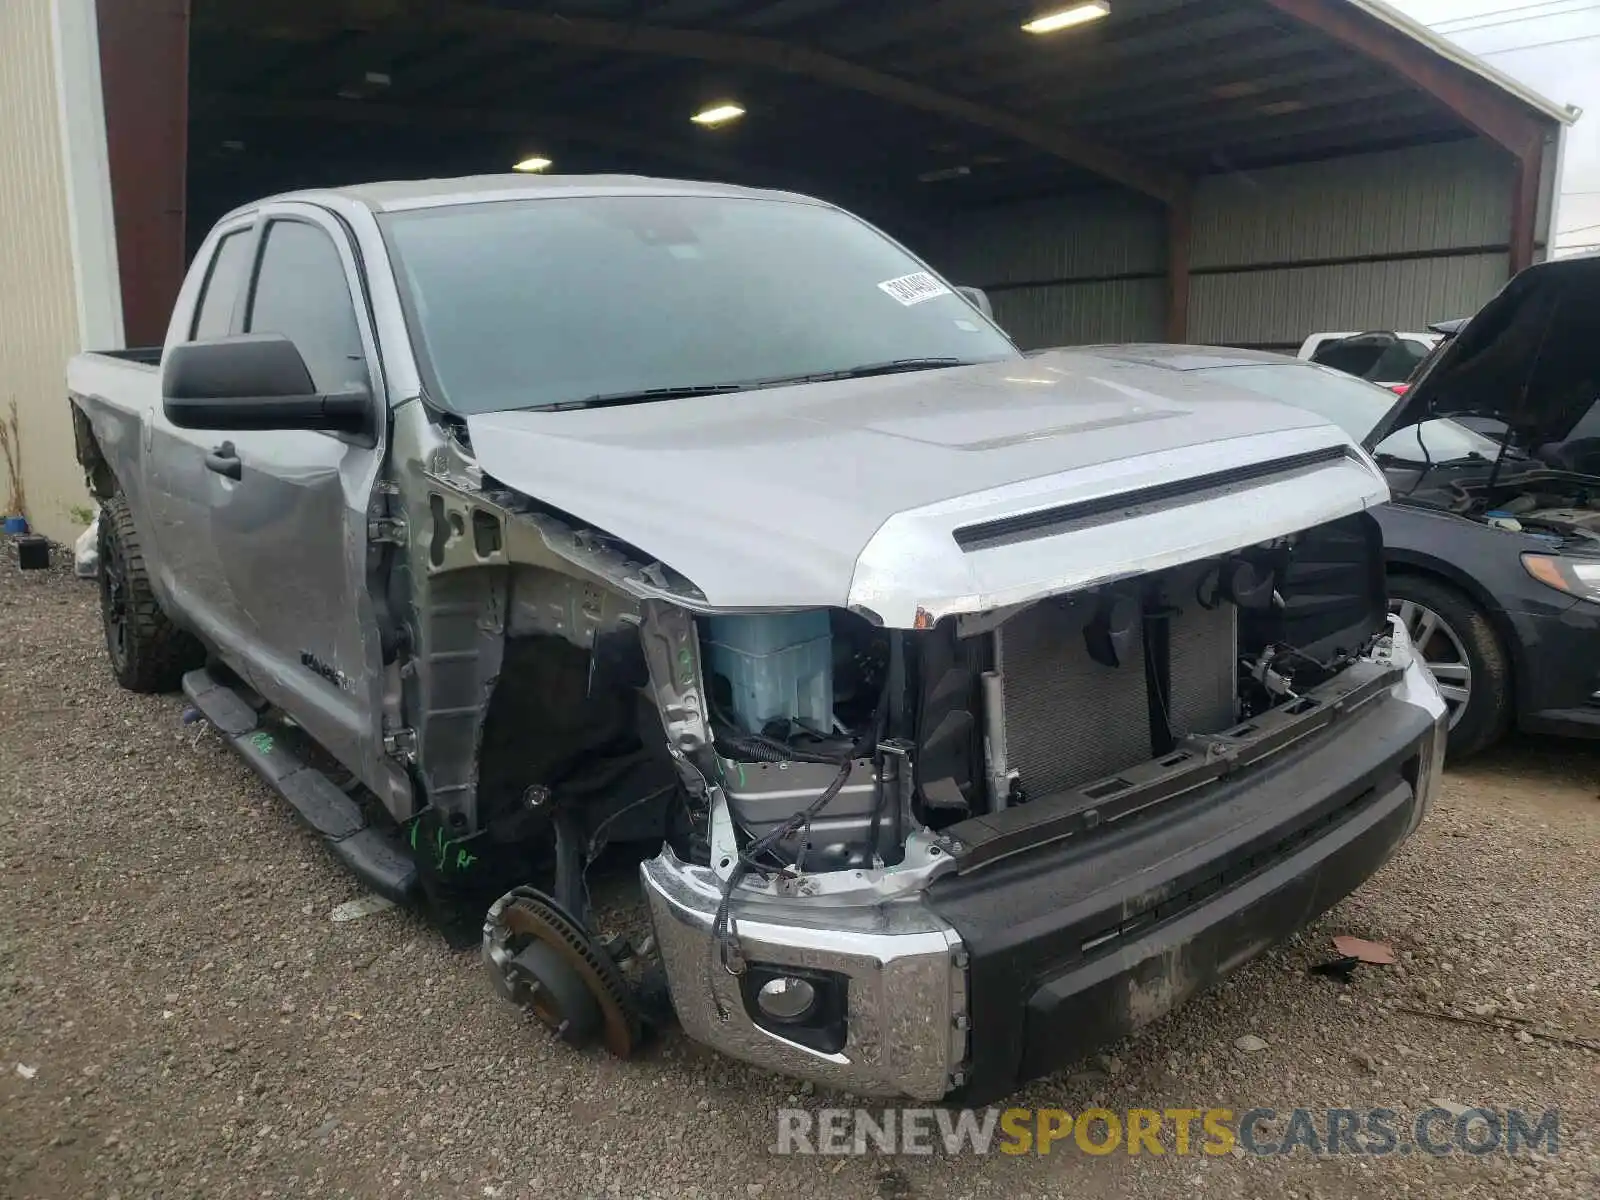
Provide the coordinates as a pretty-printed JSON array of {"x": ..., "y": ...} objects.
[{"x": 1380, "y": 357}]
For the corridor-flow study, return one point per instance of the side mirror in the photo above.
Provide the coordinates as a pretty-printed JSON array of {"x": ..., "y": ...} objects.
[
  {"x": 253, "y": 381},
  {"x": 979, "y": 299}
]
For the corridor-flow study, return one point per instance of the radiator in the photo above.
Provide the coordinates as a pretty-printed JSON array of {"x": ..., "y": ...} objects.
[
  {"x": 1203, "y": 648},
  {"x": 1070, "y": 720}
]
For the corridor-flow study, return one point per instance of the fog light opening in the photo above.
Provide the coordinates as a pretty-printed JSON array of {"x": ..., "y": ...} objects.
[{"x": 786, "y": 998}]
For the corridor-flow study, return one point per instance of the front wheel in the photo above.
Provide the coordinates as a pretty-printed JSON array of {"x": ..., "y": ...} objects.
[
  {"x": 148, "y": 652},
  {"x": 1462, "y": 651}
]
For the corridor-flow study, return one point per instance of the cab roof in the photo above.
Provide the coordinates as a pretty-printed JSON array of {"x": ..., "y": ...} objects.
[{"x": 399, "y": 195}]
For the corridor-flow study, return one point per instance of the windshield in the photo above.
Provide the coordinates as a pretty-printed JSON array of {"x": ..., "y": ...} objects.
[
  {"x": 1382, "y": 359},
  {"x": 1356, "y": 407},
  {"x": 533, "y": 303}
]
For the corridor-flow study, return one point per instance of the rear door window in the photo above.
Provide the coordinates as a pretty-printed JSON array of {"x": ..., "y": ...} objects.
[
  {"x": 1353, "y": 356},
  {"x": 214, "y": 314},
  {"x": 1375, "y": 357},
  {"x": 1396, "y": 363}
]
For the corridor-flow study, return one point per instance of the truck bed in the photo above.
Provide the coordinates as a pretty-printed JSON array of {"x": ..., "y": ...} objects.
[
  {"x": 149, "y": 356},
  {"x": 116, "y": 393},
  {"x": 125, "y": 379}
]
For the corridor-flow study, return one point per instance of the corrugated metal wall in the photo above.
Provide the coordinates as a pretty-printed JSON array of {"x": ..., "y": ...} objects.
[
  {"x": 38, "y": 303},
  {"x": 1279, "y": 308},
  {"x": 1415, "y": 236},
  {"x": 1117, "y": 310},
  {"x": 1070, "y": 269},
  {"x": 1391, "y": 240}
]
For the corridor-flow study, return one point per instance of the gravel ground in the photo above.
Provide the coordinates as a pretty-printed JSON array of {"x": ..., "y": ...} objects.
[{"x": 195, "y": 1025}]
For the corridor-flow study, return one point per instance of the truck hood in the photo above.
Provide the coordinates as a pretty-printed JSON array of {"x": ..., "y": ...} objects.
[
  {"x": 1529, "y": 358},
  {"x": 853, "y": 492}
]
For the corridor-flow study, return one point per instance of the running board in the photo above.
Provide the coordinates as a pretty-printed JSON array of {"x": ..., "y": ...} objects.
[{"x": 379, "y": 859}]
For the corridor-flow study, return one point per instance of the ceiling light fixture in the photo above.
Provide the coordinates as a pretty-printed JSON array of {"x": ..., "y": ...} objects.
[
  {"x": 718, "y": 114},
  {"x": 536, "y": 163},
  {"x": 1078, "y": 14}
]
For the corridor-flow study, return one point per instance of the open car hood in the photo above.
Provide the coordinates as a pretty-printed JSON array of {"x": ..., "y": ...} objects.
[{"x": 1530, "y": 358}]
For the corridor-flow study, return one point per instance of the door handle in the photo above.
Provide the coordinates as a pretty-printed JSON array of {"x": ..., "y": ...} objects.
[{"x": 224, "y": 460}]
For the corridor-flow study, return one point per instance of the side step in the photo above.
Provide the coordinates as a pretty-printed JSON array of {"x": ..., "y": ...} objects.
[{"x": 378, "y": 858}]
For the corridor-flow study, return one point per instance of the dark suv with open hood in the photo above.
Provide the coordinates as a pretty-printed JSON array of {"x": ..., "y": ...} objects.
[{"x": 1492, "y": 544}]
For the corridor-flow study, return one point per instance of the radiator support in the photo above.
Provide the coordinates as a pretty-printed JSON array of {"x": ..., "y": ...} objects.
[{"x": 1066, "y": 719}]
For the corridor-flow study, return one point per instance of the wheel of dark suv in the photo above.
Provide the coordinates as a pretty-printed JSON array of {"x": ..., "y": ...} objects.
[
  {"x": 148, "y": 652},
  {"x": 1459, "y": 644}
]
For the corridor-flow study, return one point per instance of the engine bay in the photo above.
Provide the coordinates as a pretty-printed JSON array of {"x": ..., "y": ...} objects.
[
  {"x": 836, "y": 739},
  {"x": 1556, "y": 504}
]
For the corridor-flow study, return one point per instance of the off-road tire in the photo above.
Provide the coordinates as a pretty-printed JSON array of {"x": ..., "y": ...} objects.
[
  {"x": 1489, "y": 709},
  {"x": 148, "y": 652}
]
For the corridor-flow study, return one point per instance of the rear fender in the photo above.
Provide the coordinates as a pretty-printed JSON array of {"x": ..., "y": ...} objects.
[{"x": 97, "y": 471}]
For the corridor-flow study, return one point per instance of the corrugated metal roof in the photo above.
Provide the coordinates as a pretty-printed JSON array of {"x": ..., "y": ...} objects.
[
  {"x": 1445, "y": 48},
  {"x": 1189, "y": 87}
]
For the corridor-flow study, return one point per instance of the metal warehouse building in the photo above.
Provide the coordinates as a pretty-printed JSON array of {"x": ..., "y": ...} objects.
[{"x": 1227, "y": 171}]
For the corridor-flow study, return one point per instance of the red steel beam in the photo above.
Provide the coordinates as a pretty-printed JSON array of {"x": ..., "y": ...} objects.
[
  {"x": 1497, "y": 116},
  {"x": 144, "y": 75},
  {"x": 745, "y": 50},
  {"x": 1502, "y": 119},
  {"x": 1524, "y": 212}
]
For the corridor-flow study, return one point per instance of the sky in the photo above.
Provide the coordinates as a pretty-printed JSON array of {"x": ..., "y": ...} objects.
[{"x": 1553, "y": 46}]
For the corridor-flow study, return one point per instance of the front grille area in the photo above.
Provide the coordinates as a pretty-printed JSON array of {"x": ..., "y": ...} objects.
[{"x": 1070, "y": 720}]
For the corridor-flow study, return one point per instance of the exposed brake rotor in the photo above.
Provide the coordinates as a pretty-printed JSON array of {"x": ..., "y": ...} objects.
[{"x": 543, "y": 960}]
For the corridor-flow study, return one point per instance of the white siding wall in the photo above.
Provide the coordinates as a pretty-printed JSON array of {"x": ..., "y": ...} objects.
[
  {"x": 51, "y": 298},
  {"x": 1435, "y": 217}
]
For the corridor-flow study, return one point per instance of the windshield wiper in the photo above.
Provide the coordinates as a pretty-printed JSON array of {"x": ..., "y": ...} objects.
[
  {"x": 608, "y": 399},
  {"x": 645, "y": 396},
  {"x": 893, "y": 367},
  {"x": 1386, "y": 460}
]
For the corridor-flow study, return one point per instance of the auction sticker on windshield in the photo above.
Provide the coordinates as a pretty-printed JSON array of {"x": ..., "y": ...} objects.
[{"x": 914, "y": 288}]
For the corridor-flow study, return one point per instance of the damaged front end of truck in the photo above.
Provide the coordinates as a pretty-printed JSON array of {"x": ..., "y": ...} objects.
[{"x": 1063, "y": 752}]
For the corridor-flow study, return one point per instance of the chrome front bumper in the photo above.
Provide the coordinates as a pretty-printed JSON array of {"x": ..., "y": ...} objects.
[{"x": 907, "y": 1012}]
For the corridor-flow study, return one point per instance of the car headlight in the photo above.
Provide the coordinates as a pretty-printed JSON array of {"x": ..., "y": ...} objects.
[{"x": 1578, "y": 577}]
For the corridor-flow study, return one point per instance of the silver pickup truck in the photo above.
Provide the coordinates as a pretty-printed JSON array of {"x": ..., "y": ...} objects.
[{"x": 962, "y": 709}]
